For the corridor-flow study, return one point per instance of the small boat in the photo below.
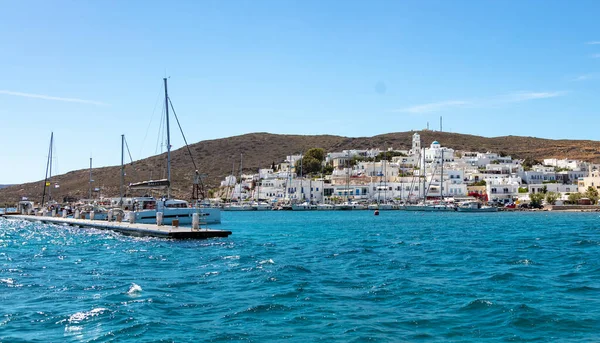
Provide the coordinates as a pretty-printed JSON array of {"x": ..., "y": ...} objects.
[
  {"x": 386, "y": 206},
  {"x": 350, "y": 206},
  {"x": 305, "y": 206},
  {"x": 238, "y": 207},
  {"x": 325, "y": 207},
  {"x": 261, "y": 206},
  {"x": 429, "y": 207},
  {"x": 475, "y": 206}
]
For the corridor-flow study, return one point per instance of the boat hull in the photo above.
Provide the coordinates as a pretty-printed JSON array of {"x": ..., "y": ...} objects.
[
  {"x": 426, "y": 208},
  {"x": 488, "y": 209},
  {"x": 207, "y": 215}
]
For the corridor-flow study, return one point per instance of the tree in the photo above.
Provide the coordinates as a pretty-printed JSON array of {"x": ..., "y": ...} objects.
[
  {"x": 551, "y": 197},
  {"x": 308, "y": 165},
  {"x": 574, "y": 198},
  {"x": 536, "y": 199},
  {"x": 311, "y": 162},
  {"x": 592, "y": 194},
  {"x": 387, "y": 155},
  {"x": 316, "y": 153},
  {"x": 530, "y": 162},
  {"x": 479, "y": 183}
]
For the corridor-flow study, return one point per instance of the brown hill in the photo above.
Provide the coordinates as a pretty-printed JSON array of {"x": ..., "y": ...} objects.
[{"x": 215, "y": 157}]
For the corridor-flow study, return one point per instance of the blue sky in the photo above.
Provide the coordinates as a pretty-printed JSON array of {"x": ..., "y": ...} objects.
[{"x": 92, "y": 70}]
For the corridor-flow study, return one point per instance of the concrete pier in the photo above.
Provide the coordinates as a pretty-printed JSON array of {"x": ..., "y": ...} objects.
[{"x": 137, "y": 229}]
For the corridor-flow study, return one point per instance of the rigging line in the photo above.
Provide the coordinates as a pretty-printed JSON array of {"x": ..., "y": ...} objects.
[
  {"x": 201, "y": 183},
  {"x": 131, "y": 159},
  {"x": 159, "y": 136},
  {"x": 151, "y": 118},
  {"x": 185, "y": 140}
]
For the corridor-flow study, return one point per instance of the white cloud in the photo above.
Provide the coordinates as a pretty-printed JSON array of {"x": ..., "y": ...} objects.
[
  {"x": 593, "y": 43},
  {"x": 55, "y": 98},
  {"x": 433, "y": 107},
  {"x": 524, "y": 96},
  {"x": 583, "y": 77},
  {"x": 480, "y": 103}
]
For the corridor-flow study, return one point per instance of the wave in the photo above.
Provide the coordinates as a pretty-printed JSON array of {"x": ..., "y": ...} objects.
[
  {"x": 502, "y": 277},
  {"x": 477, "y": 304},
  {"x": 295, "y": 268},
  {"x": 134, "y": 289},
  {"x": 583, "y": 289},
  {"x": 269, "y": 261},
  {"x": 79, "y": 317}
]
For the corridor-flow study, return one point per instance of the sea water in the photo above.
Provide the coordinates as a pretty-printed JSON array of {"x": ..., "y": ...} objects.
[{"x": 309, "y": 277}]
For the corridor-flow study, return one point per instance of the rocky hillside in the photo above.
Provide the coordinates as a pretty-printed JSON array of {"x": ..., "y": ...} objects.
[{"x": 215, "y": 158}]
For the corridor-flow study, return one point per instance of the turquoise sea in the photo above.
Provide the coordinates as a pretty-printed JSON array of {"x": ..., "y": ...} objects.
[{"x": 309, "y": 277}]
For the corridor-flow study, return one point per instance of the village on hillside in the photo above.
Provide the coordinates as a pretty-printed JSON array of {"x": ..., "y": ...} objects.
[{"x": 410, "y": 176}]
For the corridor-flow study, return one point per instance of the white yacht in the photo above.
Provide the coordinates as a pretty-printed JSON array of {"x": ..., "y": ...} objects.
[
  {"x": 325, "y": 207},
  {"x": 145, "y": 208},
  {"x": 345, "y": 206},
  {"x": 385, "y": 207},
  {"x": 238, "y": 207},
  {"x": 475, "y": 206},
  {"x": 261, "y": 206},
  {"x": 305, "y": 206}
]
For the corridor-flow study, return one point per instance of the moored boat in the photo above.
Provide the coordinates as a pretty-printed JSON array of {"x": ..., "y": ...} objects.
[{"x": 475, "y": 206}]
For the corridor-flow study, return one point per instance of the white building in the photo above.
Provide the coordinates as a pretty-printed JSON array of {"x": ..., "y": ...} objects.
[
  {"x": 434, "y": 153},
  {"x": 504, "y": 190}
]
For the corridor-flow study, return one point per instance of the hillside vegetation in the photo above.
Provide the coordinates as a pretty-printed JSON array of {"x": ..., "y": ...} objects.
[{"x": 215, "y": 158}]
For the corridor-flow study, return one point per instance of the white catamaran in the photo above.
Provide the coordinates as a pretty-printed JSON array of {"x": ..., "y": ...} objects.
[{"x": 145, "y": 208}]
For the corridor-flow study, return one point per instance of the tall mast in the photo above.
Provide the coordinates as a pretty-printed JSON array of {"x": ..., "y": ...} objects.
[
  {"x": 424, "y": 178},
  {"x": 258, "y": 187},
  {"x": 442, "y": 178},
  {"x": 90, "y": 195},
  {"x": 241, "y": 168},
  {"x": 301, "y": 177},
  {"x": 122, "y": 168},
  {"x": 48, "y": 163},
  {"x": 168, "y": 140},
  {"x": 385, "y": 179},
  {"x": 229, "y": 183}
]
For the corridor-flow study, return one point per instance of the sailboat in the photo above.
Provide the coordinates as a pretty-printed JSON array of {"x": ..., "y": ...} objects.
[
  {"x": 239, "y": 206},
  {"x": 51, "y": 204},
  {"x": 431, "y": 207},
  {"x": 442, "y": 205},
  {"x": 145, "y": 208}
]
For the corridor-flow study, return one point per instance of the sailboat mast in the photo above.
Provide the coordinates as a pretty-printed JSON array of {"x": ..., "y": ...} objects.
[
  {"x": 258, "y": 187},
  {"x": 50, "y": 175},
  {"x": 424, "y": 178},
  {"x": 241, "y": 168},
  {"x": 122, "y": 168},
  {"x": 48, "y": 163},
  {"x": 168, "y": 140},
  {"x": 90, "y": 194},
  {"x": 442, "y": 177},
  {"x": 301, "y": 177}
]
